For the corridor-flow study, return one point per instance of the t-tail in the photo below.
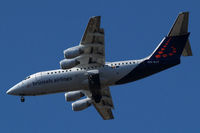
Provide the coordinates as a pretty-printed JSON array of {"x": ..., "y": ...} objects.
[
  {"x": 167, "y": 54},
  {"x": 176, "y": 43}
]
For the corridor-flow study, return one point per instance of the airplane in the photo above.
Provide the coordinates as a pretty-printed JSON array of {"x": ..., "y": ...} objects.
[{"x": 85, "y": 77}]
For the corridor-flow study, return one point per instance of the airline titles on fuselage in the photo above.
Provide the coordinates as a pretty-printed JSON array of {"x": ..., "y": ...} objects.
[{"x": 49, "y": 81}]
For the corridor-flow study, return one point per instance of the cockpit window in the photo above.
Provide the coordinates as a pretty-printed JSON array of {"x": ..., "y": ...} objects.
[{"x": 27, "y": 78}]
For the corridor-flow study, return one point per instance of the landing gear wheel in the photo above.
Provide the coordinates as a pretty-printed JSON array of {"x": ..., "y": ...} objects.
[
  {"x": 97, "y": 98},
  {"x": 22, "y": 99}
]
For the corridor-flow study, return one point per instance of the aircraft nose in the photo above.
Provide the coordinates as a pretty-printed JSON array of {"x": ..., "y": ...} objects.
[
  {"x": 14, "y": 90},
  {"x": 10, "y": 91}
]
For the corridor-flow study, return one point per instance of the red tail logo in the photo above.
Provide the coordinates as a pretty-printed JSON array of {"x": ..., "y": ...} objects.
[{"x": 165, "y": 52}]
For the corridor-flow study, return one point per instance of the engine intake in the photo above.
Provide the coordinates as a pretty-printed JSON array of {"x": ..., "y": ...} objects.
[
  {"x": 73, "y": 52},
  {"x": 81, "y": 104},
  {"x": 73, "y": 95},
  {"x": 69, "y": 63}
]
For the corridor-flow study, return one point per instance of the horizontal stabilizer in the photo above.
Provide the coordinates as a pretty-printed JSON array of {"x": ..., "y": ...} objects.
[{"x": 187, "y": 51}]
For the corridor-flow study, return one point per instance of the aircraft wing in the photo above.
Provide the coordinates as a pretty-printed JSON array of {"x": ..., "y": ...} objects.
[
  {"x": 93, "y": 39},
  {"x": 105, "y": 106}
]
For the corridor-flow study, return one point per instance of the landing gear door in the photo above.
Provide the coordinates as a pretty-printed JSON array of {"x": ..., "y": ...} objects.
[{"x": 94, "y": 85}]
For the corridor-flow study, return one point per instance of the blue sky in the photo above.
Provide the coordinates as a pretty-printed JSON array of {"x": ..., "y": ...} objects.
[{"x": 33, "y": 35}]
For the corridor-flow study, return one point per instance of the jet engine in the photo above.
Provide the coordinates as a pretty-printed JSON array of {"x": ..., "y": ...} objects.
[
  {"x": 81, "y": 104},
  {"x": 73, "y": 52},
  {"x": 68, "y": 63},
  {"x": 73, "y": 95}
]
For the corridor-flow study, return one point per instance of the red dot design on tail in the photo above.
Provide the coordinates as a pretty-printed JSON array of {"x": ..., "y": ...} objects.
[{"x": 162, "y": 54}]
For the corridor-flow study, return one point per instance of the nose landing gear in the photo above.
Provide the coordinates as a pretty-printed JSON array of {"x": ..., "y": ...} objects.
[{"x": 22, "y": 99}]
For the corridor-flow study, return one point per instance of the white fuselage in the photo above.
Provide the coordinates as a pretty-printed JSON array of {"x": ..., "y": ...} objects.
[{"x": 73, "y": 79}]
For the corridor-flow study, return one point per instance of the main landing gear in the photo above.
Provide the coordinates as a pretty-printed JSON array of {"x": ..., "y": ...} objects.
[
  {"x": 95, "y": 86},
  {"x": 22, "y": 99},
  {"x": 96, "y": 97}
]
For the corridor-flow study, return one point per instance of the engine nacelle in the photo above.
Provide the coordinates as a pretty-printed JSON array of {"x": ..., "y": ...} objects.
[
  {"x": 73, "y": 95},
  {"x": 68, "y": 63},
  {"x": 81, "y": 104},
  {"x": 73, "y": 52}
]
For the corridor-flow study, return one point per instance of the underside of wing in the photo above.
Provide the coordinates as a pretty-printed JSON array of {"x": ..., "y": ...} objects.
[
  {"x": 93, "y": 33},
  {"x": 105, "y": 106},
  {"x": 90, "y": 51},
  {"x": 105, "y": 113},
  {"x": 93, "y": 40}
]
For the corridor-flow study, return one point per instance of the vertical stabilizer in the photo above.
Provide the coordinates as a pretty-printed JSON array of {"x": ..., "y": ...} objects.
[{"x": 180, "y": 27}]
